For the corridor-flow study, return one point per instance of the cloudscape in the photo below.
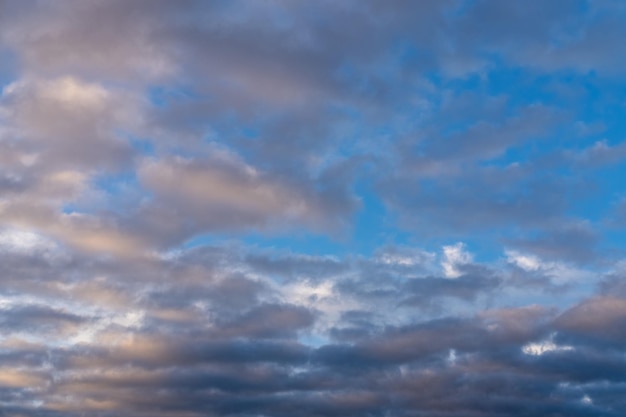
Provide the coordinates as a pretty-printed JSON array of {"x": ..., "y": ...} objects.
[{"x": 285, "y": 208}]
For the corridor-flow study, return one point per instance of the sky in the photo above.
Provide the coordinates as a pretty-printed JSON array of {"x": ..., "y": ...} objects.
[{"x": 255, "y": 208}]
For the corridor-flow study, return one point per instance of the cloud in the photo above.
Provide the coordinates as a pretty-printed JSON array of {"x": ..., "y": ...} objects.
[
  {"x": 454, "y": 257},
  {"x": 235, "y": 345},
  {"x": 73, "y": 123},
  {"x": 573, "y": 241},
  {"x": 222, "y": 192},
  {"x": 526, "y": 262},
  {"x": 598, "y": 316},
  {"x": 543, "y": 347},
  {"x": 60, "y": 36},
  {"x": 252, "y": 208}
]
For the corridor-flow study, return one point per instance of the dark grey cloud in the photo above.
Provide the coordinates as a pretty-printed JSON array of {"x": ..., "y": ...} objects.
[
  {"x": 38, "y": 319},
  {"x": 226, "y": 348},
  {"x": 598, "y": 321},
  {"x": 442, "y": 367},
  {"x": 509, "y": 197},
  {"x": 564, "y": 35},
  {"x": 573, "y": 242},
  {"x": 467, "y": 287},
  {"x": 481, "y": 140}
]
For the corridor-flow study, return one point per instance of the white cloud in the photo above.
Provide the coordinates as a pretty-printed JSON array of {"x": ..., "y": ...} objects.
[
  {"x": 26, "y": 242},
  {"x": 406, "y": 257},
  {"x": 524, "y": 261},
  {"x": 22, "y": 241},
  {"x": 455, "y": 256},
  {"x": 559, "y": 272},
  {"x": 545, "y": 346}
]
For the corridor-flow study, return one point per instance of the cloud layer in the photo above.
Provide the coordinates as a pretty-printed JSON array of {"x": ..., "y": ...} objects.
[{"x": 358, "y": 208}]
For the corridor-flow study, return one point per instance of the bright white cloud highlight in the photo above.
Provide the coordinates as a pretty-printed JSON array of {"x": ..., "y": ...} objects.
[
  {"x": 454, "y": 257},
  {"x": 543, "y": 347},
  {"x": 524, "y": 261}
]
